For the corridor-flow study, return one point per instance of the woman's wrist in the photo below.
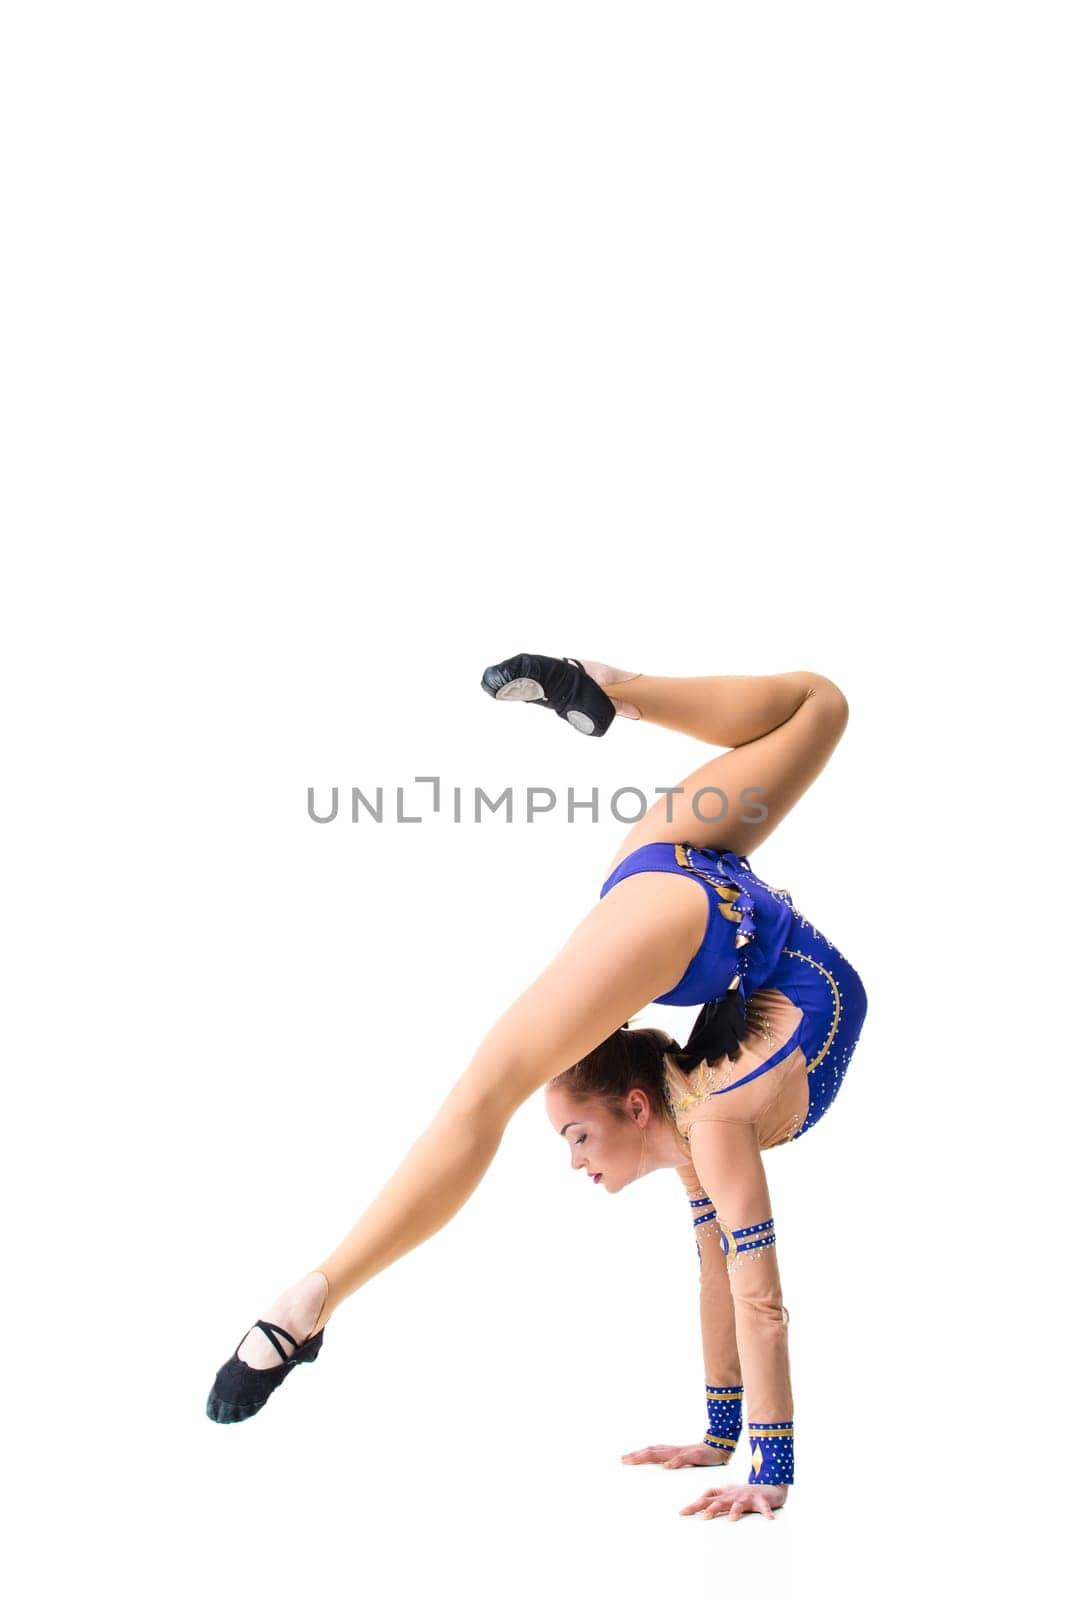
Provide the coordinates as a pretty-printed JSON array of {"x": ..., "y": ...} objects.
[
  {"x": 724, "y": 1415},
  {"x": 772, "y": 1452}
]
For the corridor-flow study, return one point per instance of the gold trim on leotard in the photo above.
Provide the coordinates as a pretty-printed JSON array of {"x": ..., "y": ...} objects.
[
  {"x": 837, "y": 1002},
  {"x": 724, "y": 891}
]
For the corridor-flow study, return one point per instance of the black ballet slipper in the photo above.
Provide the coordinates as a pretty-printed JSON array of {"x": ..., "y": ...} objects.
[
  {"x": 240, "y": 1390},
  {"x": 563, "y": 686}
]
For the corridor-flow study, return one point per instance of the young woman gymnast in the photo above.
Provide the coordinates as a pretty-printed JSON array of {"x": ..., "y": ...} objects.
[{"x": 682, "y": 920}]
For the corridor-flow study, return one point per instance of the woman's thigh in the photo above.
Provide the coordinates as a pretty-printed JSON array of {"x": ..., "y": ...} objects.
[{"x": 736, "y": 800}]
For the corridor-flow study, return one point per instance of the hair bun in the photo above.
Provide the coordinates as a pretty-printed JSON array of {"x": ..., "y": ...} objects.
[{"x": 717, "y": 1032}]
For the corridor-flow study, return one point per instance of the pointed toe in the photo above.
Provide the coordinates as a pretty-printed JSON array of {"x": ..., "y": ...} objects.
[
  {"x": 222, "y": 1411},
  {"x": 239, "y": 1391},
  {"x": 560, "y": 684}
]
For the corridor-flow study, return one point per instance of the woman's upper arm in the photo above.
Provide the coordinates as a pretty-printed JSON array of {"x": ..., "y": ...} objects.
[
  {"x": 690, "y": 1181},
  {"x": 635, "y": 944},
  {"x": 728, "y": 1162}
]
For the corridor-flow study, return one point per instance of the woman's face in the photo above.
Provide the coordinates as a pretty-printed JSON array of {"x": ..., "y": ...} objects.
[{"x": 610, "y": 1150}]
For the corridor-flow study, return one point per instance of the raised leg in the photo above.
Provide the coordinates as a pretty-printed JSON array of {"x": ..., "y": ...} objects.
[{"x": 781, "y": 730}]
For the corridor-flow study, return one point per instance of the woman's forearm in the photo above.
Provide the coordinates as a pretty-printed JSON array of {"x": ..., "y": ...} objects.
[{"x": 722, "y": 1364}]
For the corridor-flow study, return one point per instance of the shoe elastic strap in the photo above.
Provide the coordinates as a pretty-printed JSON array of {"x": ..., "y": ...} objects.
[{"x": 270, "y": 1329}]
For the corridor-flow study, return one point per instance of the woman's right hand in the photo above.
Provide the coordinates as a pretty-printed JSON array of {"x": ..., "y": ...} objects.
[{"x": 679, "y": 1455}]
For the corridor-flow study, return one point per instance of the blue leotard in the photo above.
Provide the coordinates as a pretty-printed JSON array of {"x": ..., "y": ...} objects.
[{"x": 748, "y": 921}]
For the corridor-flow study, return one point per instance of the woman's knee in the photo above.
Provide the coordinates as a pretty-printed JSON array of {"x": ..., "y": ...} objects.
[
  {"x": 829, "y": 701},
  {"x": 489, "y": 1093}
]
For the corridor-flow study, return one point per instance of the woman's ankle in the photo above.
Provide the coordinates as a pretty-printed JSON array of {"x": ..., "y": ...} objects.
[
  {"x": 325, "y": 1310},
  {"x": 607, "y": 677},
  {"x": 304, "y": 1305},
  {"x": 300, "y": 1310}
]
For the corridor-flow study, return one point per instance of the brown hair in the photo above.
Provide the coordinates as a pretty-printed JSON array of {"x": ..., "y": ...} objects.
[{"x": 629, "y": 1058}]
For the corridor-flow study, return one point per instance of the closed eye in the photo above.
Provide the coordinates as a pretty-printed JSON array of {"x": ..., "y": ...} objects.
[{"x": 581, "y": 1138}]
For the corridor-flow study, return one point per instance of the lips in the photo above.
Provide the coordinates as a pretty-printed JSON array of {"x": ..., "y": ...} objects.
[{"x": 597, "y": 1176}]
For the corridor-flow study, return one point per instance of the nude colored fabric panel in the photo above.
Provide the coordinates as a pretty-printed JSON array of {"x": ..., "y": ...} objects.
[
  {"x": 782, "y": 1117},
  {"x": 775, "y": 1101},
  {"x": 722, "y": 1363},
  {"x": 761, "y": 1320}
]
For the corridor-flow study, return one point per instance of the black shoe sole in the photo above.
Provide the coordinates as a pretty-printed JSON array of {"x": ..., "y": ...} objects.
[{"x": 582, "y": 702}]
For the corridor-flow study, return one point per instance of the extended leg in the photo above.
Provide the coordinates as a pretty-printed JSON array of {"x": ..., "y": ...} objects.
[
  {"x": 439, "y": 1174},
  {"x": 633, "y": 945}
]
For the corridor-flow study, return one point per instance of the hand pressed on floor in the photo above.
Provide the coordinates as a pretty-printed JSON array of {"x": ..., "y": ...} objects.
[
  {"x": 735, "y": 1499},
  {"x": 678, "y": 1455}
]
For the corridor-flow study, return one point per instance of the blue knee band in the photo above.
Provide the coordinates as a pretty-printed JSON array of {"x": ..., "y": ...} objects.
[
  {"x": 724, "y": 1416},
  {"x": 772, "y": 1452}
]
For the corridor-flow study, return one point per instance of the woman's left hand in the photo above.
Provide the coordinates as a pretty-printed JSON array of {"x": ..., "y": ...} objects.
[{"x": 737, "y": 1498}]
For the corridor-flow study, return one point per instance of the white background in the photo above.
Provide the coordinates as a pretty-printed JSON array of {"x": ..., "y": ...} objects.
[{"x": 349, "y": 349}]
